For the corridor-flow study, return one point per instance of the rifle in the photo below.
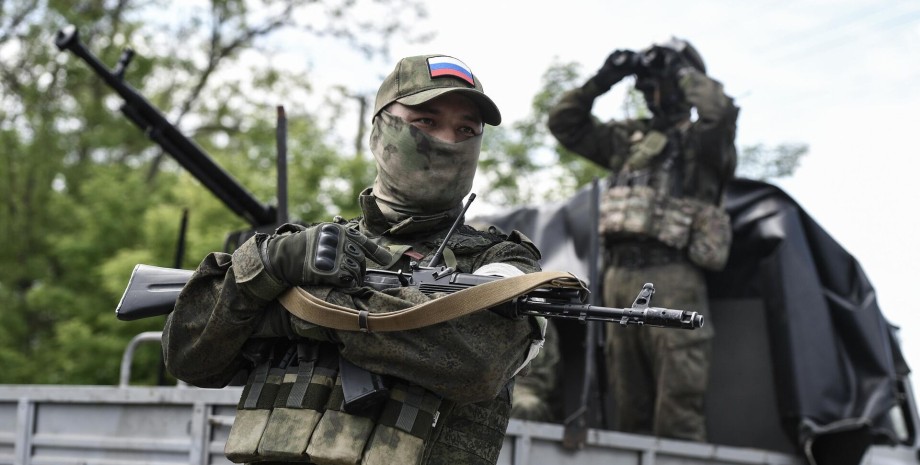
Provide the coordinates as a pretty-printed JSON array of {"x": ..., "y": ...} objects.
[
  {"x": 137, "y": 109},
  {"x": 152, "y": 291}
]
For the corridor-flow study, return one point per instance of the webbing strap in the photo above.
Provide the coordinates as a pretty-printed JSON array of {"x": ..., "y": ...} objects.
[
  {"x": 310, "y": 308},
  {"x": 259, "y": 377}
]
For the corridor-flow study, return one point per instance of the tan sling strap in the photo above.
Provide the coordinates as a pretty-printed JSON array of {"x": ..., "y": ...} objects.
[{"x": 463, "y": 302}]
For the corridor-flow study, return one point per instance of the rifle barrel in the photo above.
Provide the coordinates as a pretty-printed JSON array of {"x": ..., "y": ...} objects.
[{"x": 650, "y": 316}]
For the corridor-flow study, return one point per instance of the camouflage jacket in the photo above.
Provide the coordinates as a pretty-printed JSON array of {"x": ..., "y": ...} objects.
[
  {"x": 468, "y": 359},
  {"x": 707, "y": 145}
]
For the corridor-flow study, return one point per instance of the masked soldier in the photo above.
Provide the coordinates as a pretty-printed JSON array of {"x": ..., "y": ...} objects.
[
  {"x": 661, "y": 222},
  {"x": 447, "y": 386}
]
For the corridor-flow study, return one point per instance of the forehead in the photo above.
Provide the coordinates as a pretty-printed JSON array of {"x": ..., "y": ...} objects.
[{"x": 450, "y": 103}]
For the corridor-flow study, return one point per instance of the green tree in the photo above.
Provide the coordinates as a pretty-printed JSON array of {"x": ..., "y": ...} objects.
[
  {"x": 763, "y": 163},
  {"x": 84, "y": 196},
  {"x": 524, "y": 164}
]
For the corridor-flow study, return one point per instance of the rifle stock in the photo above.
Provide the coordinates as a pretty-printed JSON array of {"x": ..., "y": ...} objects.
[{"x": 152, "y": 291}]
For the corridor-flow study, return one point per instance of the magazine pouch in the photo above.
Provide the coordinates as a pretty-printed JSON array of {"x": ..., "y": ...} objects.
[
  {"x": 340, "y": 437},
  {"x": 252, "y": 413},
  {"x": 404, "y": 426},
  {"x": 300, "y": 403}
]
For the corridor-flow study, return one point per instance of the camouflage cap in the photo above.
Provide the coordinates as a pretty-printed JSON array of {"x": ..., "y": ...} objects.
[{"x": 418, "y": 79}]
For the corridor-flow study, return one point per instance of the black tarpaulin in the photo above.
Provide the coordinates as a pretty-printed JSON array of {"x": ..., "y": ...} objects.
[{"x": 837, "y": 365}]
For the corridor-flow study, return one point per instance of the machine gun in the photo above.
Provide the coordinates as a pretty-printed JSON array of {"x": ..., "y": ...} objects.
[{"x": 146, "y": 117}]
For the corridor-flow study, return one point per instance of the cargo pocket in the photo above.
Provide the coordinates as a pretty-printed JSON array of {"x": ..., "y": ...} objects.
[{"x": 404, "y": 426}]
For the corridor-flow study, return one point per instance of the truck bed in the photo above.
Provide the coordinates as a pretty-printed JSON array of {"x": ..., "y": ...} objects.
[{"x": 133, "y": 425}]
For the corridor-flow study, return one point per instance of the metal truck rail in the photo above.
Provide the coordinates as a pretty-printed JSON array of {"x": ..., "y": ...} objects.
[{"x": 135, "y": 425}]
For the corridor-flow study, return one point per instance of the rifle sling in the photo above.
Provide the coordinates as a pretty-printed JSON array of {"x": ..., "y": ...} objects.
[{"x": 310, "y": 308}]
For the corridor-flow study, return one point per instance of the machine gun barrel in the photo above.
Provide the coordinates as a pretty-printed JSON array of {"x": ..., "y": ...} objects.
[{"x": 167, "y": 136}]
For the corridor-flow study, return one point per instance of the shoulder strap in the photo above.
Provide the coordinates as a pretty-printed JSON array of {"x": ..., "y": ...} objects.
[{"x": 310, "y": 308}]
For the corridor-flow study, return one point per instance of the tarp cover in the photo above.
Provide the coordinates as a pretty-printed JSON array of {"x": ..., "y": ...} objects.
[{"x": 837, "y": 362}]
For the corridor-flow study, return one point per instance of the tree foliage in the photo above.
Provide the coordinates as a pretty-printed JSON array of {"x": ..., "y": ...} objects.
[
  {"x": 524, "y": 164},
  {"x": 763, "y": 163},
  {"x": 84, "y": 196}
]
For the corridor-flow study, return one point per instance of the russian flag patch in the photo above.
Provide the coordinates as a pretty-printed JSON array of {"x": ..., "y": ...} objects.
[{"x": 447, "y": 66}]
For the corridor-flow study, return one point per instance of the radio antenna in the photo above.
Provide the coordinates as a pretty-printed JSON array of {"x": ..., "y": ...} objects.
[{"x": 437, "y": 255}]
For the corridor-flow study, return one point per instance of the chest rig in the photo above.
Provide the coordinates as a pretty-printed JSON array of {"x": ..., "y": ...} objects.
[
  {"x": 305, "y": 403},
  {"x": 652, "y": 198}
]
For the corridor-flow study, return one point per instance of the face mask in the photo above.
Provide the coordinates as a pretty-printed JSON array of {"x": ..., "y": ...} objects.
[
  {"x": 664, "y": 98},
  {"x": 417, "y": 173}
]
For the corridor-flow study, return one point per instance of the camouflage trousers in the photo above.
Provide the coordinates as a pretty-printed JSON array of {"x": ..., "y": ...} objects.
[{"x": 659, "y": 375}]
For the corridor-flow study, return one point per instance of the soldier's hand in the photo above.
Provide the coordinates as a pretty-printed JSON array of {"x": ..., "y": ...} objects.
[
  {"x": 618, "y": 65},
  {"x": 327, "y": 254}
]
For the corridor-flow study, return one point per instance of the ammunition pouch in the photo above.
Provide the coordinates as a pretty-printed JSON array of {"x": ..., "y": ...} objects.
[
  {"x": 340, "y": 437},
  {"x": 404, "y": 427},
  {"x": 639, "y": 212},
  {"x": 710, "y": 238},
  {"x": 281, "y": 406},
  {"x": 627, "y": 211},
  {"x": 296, "y": 411}
]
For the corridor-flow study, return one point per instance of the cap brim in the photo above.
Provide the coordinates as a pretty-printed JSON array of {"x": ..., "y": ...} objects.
[{"x": 487, "y": 108}]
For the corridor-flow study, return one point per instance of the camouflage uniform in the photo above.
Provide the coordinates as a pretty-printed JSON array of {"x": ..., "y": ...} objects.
[
  {"x": 468, "y": 363},
  {"x": 659, "y": 376}
]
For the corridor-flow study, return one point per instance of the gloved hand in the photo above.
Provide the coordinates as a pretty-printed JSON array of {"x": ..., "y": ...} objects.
[
  {"x": 618, "y": 65},
  {"x": 327, "y": 254}
]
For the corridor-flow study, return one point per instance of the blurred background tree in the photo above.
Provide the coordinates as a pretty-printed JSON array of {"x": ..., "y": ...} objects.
[{"x": 85, "y": 196}]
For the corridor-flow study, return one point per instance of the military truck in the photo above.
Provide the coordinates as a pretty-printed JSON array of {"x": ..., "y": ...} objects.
[{"x": 805, "y": 370}]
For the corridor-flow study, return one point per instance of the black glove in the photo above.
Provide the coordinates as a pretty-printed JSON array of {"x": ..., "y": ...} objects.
[
  {"x": 618, "y": 65},
  {"x": 327, "y": 254}
]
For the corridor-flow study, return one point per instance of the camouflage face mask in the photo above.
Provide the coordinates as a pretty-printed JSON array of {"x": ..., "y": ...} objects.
[{"x": 417, "y": 173}]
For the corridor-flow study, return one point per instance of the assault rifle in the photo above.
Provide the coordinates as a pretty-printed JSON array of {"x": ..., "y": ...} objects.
[{"x": 152, "y": 291}]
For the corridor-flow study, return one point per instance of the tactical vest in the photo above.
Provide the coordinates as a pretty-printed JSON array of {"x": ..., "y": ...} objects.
[
  {"x": 648, "y": 199},
  {"x": 293, "y": 407}
]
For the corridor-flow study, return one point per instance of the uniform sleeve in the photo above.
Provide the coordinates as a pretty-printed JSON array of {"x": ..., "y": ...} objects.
[
  {"x": 216, "y": 313},
  {"x": 716, "y": 124},
  {"x": 573, "y": 125},
  {"x": 468, "y": 359}
]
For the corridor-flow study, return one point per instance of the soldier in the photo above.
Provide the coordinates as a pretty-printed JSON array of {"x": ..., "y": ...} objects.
[
  {"x": 457, "y": 376},
  {"x": 661, "y": 221}
]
